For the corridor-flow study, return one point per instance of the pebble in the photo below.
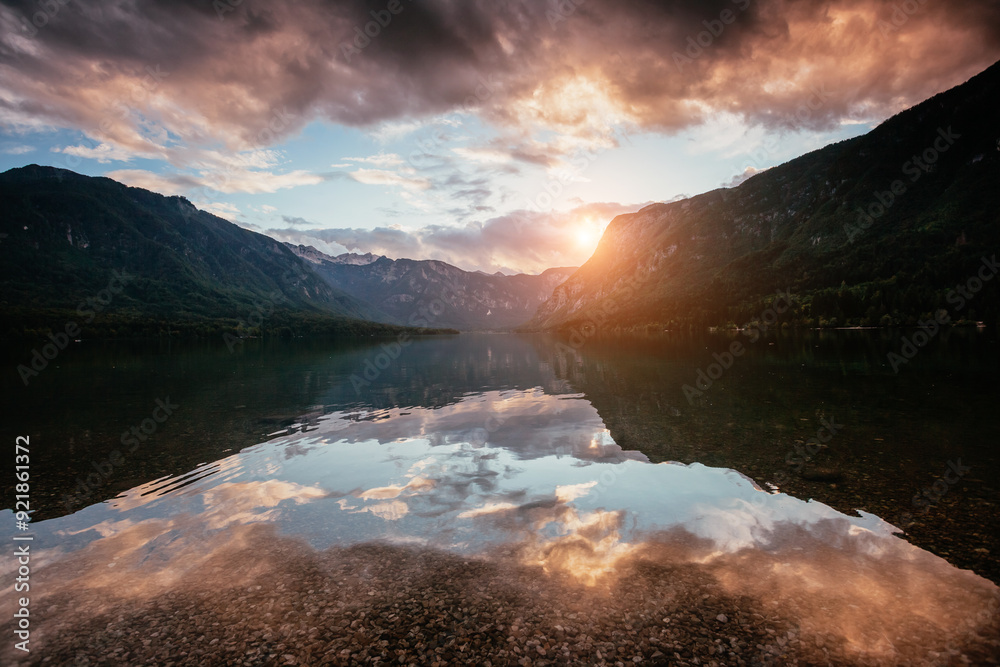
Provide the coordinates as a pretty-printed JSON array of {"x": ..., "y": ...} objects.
[{"x": 278, "y": 602}]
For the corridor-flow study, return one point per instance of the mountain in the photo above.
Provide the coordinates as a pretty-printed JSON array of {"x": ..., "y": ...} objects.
[
  {"x": 354, "y": 259},
  {"x": 876, "y": 230},
  {"x": 406, "y": 291},
  {"x": 118, "y": 260}
]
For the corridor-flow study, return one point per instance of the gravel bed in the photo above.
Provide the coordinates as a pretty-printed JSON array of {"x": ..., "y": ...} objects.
[{"x": 269, "y": 600}]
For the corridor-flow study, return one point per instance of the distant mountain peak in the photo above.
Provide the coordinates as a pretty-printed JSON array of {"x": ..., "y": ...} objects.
[
  {"x": 355, "y": 259},
  {"x": 403, "y": 289},
  {"x": 311, "y": 254}
]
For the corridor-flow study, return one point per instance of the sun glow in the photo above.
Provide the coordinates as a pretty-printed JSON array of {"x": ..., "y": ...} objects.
[
  {"x": 588, "y": 233},
  {"x": 583, "y": 109}
]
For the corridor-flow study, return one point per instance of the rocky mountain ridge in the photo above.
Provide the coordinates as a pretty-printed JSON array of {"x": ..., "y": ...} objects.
[
  {"x": 406, "y": 291},
  {"x": 875, "y": 230}
]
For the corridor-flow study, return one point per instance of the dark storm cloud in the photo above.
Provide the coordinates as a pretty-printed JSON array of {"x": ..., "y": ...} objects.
[{"x": 660, "y": 65}]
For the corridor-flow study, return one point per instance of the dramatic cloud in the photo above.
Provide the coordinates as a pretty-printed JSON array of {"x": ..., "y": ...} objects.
[
  {"x": 520, "y": 241},
  {"x": 480, "y": 106},
  {"x": 153, "y": 77}
]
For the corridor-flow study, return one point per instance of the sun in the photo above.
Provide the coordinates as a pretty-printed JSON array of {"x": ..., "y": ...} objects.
[{"x": 587, "y": 234}]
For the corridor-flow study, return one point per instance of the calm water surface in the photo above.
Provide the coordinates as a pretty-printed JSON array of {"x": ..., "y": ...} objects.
[{"x": 567, "y": 457}]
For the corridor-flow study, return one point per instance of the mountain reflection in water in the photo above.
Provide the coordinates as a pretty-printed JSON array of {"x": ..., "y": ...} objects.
[{"x": 525, "y": 478}]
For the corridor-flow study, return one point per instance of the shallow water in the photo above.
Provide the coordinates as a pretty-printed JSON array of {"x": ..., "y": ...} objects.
[{"x": 508, "y": 449}]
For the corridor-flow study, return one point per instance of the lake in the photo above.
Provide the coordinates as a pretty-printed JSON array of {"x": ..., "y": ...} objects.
[{"x": 825, "y": 505}]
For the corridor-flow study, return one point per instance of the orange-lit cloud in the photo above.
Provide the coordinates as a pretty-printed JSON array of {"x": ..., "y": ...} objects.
[
  {"x": 208, "y": 91},
  {"x": 519, "y": 241},
  {"x": 163, "y": 77}
]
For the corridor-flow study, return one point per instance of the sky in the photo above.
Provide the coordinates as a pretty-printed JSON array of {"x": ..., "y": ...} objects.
[{"x": 497, "y": 135}]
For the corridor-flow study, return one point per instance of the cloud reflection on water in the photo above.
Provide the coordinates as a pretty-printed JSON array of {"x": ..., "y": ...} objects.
[{"x": 545, "y": 488}]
